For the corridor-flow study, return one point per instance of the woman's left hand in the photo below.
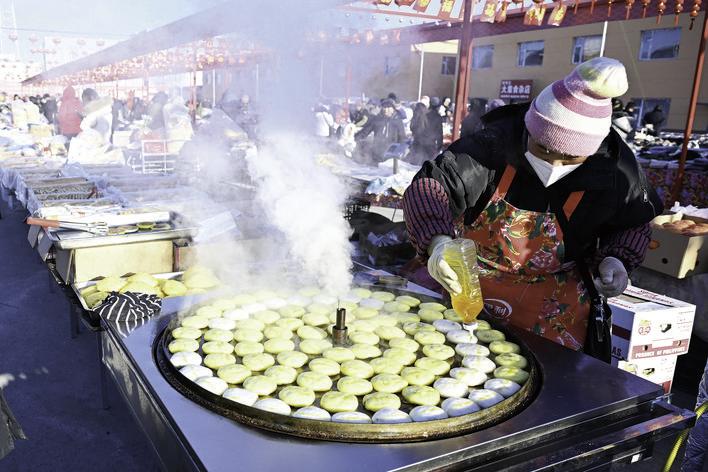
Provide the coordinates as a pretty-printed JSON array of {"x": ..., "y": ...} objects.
[{"x": 613, "y": 278}]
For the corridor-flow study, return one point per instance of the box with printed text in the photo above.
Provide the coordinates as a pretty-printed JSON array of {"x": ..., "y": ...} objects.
[
  {"x": 646, "y": 324},
  {"x": 659, "y": 370}
]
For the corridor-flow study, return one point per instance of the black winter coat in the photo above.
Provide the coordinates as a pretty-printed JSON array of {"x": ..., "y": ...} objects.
[
  {"x": 617, "y": 196},
  {"x": 386, "y": 131}
]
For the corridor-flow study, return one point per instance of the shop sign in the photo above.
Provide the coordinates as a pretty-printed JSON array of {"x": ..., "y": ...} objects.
[{"x": 515, "y": 89}]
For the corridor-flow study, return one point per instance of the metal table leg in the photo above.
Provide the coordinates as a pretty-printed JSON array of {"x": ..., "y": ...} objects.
[
  {"x": 103, "y": 373},
  {"x": 73, "y": 321}
]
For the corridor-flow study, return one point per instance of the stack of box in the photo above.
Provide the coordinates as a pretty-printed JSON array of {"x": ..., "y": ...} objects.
[
  {"x": 676, "y": 254},
  {"x": 649, "y": 332}
]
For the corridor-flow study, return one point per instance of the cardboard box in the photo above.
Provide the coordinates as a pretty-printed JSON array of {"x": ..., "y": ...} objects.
[
  {"x": 676, "y": 254},
  {"x": 659, "y": 370},
  {"x": 646, "y": 325}
]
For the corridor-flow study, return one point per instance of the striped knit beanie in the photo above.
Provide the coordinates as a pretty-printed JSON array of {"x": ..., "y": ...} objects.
[{"x": 573, "y": 115}]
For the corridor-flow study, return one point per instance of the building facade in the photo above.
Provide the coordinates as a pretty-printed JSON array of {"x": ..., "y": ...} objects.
[{"x": 660, "y": 62}]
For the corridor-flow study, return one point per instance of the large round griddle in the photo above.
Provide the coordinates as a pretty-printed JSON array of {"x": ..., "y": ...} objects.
[{"x": 347, "y": 432}]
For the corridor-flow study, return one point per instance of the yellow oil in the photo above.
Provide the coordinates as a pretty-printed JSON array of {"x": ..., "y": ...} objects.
[{"x": 461, "y": 255}]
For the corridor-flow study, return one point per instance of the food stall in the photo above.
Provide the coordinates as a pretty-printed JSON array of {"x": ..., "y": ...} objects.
[
  {"x": 553, "y": 417},
  {"x": 554, "y": 421}
]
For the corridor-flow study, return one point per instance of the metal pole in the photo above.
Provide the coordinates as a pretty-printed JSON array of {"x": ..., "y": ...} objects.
[
  {"x": 348, "y": 82},
  {"x": 420, "y": 76},
  {"x": 258, "y": 81},
  {"x": 213, "y": 88},
  {"x": 463, "y": 70},
  {"x": 678, "y": 183},
  {"x": 604, "y": 39}
]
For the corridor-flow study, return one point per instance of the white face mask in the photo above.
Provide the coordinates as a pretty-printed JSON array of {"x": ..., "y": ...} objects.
[{"x": 547, "y": 172}]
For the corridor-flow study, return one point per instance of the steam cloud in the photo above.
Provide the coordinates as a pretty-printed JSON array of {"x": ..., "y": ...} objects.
[
  {"x": 298, "y": 203},
  {"x": 304, "y": 202}
]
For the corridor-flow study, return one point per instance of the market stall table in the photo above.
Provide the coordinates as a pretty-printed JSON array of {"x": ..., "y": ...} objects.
[{"x": 570, "y": 425}]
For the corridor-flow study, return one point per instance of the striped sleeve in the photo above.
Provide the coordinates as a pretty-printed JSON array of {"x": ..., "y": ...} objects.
[
  {"x": 427, "y": 213},
  {"x": 629, "y": 246}
]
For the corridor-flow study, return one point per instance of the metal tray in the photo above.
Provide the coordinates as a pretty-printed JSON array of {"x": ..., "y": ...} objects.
[
  {"x": 79, "y": 286},
  {"x": 139, "y": 237},
  {"x": 342, "y": 432}
]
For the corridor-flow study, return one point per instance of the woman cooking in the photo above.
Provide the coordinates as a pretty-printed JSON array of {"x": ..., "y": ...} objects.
[{"x": 540, "y": 187}]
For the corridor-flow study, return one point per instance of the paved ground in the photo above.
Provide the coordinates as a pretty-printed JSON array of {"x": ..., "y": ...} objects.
[{"x": 51, "y": 381}]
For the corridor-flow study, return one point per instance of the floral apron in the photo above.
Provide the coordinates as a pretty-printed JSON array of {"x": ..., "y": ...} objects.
[{"x": 524, "y": 281}]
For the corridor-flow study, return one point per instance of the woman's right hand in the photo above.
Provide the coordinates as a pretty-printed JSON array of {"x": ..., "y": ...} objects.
[{"x": 439, "y": 269}]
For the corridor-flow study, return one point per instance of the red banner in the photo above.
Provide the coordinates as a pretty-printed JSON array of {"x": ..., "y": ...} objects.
[
  {"x": 405, "y": 3},
  {"x": 534, "y": 15},
  {"x": 489, "y": 12},
  {"x": 446, "y": 7},
  {"x": 501, "y": 14},
  {"x": 557, "y": 15},
  {"x": 422, "y": 5}
]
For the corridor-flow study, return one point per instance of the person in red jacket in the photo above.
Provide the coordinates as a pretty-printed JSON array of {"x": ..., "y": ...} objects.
[{"x": 70, "y": 114}]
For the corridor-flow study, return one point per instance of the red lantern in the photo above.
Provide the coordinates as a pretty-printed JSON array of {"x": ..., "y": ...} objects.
[
  {"x": 501, "y": 14},
  {"x": 405, "y": 3},
  {"x": 628, "y": 8},
  {"x": 661, "y": 7},
  {"x": 678, "y": 8},
  {"x": 33, "y": 38},
  {"x": 694, "y": 12},
  {"x": 645, "y": 5}
]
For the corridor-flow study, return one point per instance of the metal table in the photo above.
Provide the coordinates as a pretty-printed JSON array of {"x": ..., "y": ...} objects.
[{"x": 586, "y": 414}]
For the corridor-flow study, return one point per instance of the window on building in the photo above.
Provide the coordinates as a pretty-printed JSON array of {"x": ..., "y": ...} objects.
[
  {"x": 530, "y": 54},
  {"x": 660, "y": 44},
  {"x": 482, "y": 56},
  {"x": 392, "y": 65},
  {"x": 586, "y": 48},
  {"x": 449, "y": 65},
  {"x": 642, "y": 106}
]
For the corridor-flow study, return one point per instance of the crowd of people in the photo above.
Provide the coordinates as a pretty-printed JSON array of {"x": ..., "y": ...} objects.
[
  {"x": 375, "y": 130},
  {"x": 84, "y": 124}
]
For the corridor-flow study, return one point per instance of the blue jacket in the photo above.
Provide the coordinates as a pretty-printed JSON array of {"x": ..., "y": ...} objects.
[{"x": 694, "y": 459}]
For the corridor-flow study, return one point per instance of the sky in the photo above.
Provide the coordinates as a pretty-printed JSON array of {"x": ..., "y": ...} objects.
[{"x": 100, "y": 18}]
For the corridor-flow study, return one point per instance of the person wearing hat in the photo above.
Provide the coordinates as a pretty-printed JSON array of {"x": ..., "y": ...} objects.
[
  {"x": 387, "y": 129},
  {"x": 545, "y": 190}
]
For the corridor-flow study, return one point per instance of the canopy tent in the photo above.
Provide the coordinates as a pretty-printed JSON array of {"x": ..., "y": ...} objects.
[{"x": 197, "y": 42}]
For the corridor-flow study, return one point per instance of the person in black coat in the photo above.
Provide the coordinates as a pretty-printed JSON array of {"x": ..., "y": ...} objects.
[
  {"x": 426, "y": 127},
  {"x": 49, "y": 108},
  {"x": 504, "y": 186},
  {"x": 655, "y": 118},
  {"x": 387, "y": 129}
]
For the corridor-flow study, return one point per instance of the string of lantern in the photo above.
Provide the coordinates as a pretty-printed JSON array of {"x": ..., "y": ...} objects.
[
  {"x": 196, "y": 56},
  {"x": 496, "y": 11}
]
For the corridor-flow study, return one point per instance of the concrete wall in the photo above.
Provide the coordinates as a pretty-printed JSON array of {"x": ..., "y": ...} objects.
[{"x": 670, "y": 78}]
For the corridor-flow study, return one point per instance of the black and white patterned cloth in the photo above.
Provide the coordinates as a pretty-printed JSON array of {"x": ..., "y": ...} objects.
[{"x": 129, "y": 307}]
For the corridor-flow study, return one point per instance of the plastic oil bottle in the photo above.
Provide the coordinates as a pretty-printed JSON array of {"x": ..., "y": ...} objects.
[{"x": 461, "y": 255}]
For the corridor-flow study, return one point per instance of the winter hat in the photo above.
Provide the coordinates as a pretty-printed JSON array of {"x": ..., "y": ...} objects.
[{"x": 573, "y": 115}]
